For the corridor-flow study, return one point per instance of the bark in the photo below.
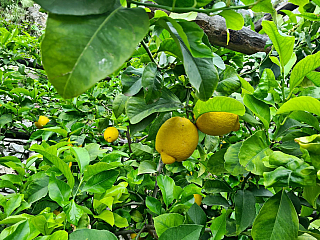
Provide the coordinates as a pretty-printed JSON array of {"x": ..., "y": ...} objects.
[{"x": 244, "y": 41}]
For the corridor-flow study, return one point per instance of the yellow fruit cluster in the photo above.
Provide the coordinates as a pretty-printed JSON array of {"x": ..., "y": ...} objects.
[
  {"x": 178, "y": 137},
  {"x": 42, "y": 121}
]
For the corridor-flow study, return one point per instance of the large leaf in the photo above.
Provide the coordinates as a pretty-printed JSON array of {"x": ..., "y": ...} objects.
[
  {"x": 233, "y": 19},
  {"x": 283, "y": 44},
  {"x": 151, "y": 82},
  {"x": 219, "y": 104},
  {"x": 183, "y": 232},
  {"x": 245, "y": 209},
  {"x": 258, "y": 107},
  {"x": 311, "y": 194},
  {"x": 82, "y": 157},
  {"x": 78, "y": 7},
  {"x": 37, "y": 189},
  {"x": 84, "y": 234},
  {"x": 302, "y": 68},
  {"x": 218, "y": 226},
  {"x": 101, "y": 182},
  {"x": 168, "y": 220},
  {"x": 252, "y": 151},
  {"x": 59, "y": 191},
  {"x": 98, "y": 168},
  {"x": 277, "y": 219},
  {"x": 166, "y": 185},
  {"x": 197, "y": 215},
  {"x": 231, "y": 160},
  {"x": 303, "y": 103},
  {"x": 79, "y": 51},
  {"x": 61, "y": 165},
  {"x": 137, "y": 109}
]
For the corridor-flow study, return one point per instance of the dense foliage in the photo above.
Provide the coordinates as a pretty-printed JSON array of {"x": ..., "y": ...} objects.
[{"x": 114, "y": 64}]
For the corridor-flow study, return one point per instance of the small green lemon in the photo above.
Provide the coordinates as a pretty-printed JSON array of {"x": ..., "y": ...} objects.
[
  {"x": 176, "y": 140},
  {"x": 218, "y": 123},
  {"x": 111, "y": 134}
]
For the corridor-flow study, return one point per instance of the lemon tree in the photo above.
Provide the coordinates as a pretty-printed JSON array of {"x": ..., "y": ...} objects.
[{"x": 148, "y": 130}]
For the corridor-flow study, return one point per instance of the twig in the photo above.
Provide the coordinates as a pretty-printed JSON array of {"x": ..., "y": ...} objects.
[
  {"x": 149, "y": 53},
  {"x": 156, "y": 188},
  {"x": 141, "y": 139}
]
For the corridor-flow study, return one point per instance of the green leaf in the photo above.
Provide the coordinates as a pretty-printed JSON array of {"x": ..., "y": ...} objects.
[
  {"x": 166, "y": 185},
  {"x": 277, "y": 219},
  {"x": 137, "y": 109},
  {"x": 166, "y": 221},
  {"x": 152, "y": 83},
  {"x": 219, "y": 226},
  {"x": 99, "y": 167},
  {"x": 5, "y": 119},
  {"x": 85, "y": 234},
  {"x": 12, "y": 204},
  {"x": 283, "y": 44},
  {"x": 311, "y": 194},
  {"x": 94, "y": 151},
  {"x": 185, "y": 232},
  {"x": 231, "y": 160},
  {"x": 106, "y": 216},
  {"x": 40, "y": 223},
  {"x": 262, "y": 6},
  {"x": 216, "y": 199},
  {"x": 252, "y": 151},
  {"x": 197, "y": 215},
  {"x": 101, "y": 182},
  {"x": 131, "y": 81},
  {"x": 147, "y": 166},
  {"x": 258, "y": 107},
  {"x": 229, "y": 81},
  {"x": 75, "y": 7},
  {"x": 119, "y": 221},
  {"x": 215, "y": 163},
  {"x": 119, "y": 104},
  {"x": 302, "y": 68},
  {"x": 233, "y": 19},
  {"x": 37, "y": 189},
  {"x": 305, "y": 117},
  {"x": 154, "y": 205},
  {"x": 303, "y": 103},
  {"x": 21, "y": 231},
  {"x": 103, "y": 43},
  {"x": 58, "y": 130},
  {"x": 59, "y": 191},
  {"x": 245, "y": 209},
  {"x": 82, "y": 157},
  {"x": 73, "y": 212},
  {"x": 61, "y": 165},
  {"x": 219, "y": 104},
  {"x": 59, "y": 235},
  {"x": 216, "y": 186},
  {"x": 267, "y": 84}
]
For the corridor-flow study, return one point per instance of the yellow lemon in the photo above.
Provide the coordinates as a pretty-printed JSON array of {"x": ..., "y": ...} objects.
[
  {"x": 42, "y": 121},
  {"x": 197, "y": 199},
  {"x": 111, "y": 134},
  {"x": 218, "y": 123},
  {"x": 133, "y": 235},
  {"x": 176, "y": 140}
]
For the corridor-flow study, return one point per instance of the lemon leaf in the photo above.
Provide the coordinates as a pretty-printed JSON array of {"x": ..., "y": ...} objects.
[{"x": 219, "y": 104}]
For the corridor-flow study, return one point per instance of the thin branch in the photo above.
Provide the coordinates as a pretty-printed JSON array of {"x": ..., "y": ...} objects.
[
  {"x": 156, "y": 188},
  {"x": 129, "y": 139},
  {"x": 149, "y": 53}
]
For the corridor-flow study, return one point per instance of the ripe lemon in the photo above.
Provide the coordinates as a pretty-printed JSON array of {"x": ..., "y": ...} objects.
[
  {"x": 218, "y": 123},
  {"x": 42, "y": 121},
  {"x": 133, "y": 235},
  {"x": 111, "y": 134},
  {"x": 197, "y": 199},
  {"x": 176, "y": 140}
]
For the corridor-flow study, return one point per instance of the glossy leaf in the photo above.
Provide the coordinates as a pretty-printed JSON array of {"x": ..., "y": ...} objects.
[
  {"x": 103, "y": 43},
  {"x": 283, "y": 44},
  {"x": 131, "y": 81},
  {"x": 258, "y": 107},
  {"x": 166, "y": 185},
  {"x": 137, "y": 109},
  {"x": 151, "y": 82},
  {"x": 304, "y": 103},
  {"x": 154, "y": 205},
  {"x": 252, "y": 151},
  {"x": 305, "y": 117},
  {"x": 73, "y": 212},
  {"x": 147, "y": 167},
  {"x": 83, "y": 234},
  {"x": 59, "y": 191},
  {"x": 233, "y": 19},
  {"x": 219, "y": 104},
  {"x": 215, "y": 199},
  {"x": 216, "y": 186},
  {"x": 311, "y": 194},
  {"x": 101, "y": 182},
  {"x": 99, "y": 167},
  {"x": 245, "y": 209},
  {"x": 119, "y": 221},
  {"x": 167, "y": 220},
  {"x": 219, "y": 226},
  {"x": 74, "y": 7},
  {"x": 232, "y": 162},
  {"x": 81, "y": 156},
  {"x": 302, "y": 68},
  {"x": 119, "y": 104},
  {"x": 37, "y": 189},
  {"x": 277, "y": 219},
  {"x": 186, "y": 232},
  {"x": 106, "y": 216},
  {"x": 197, "y": 215},
  {"x": 263, "y": 6}
]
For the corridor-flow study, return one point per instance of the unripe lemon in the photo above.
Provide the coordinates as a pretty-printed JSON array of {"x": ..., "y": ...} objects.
[
  {"x": 218, "y": 123},
  {"x": 176, "y": 140},
  {"x": 111, "y": 134},
  {"x": 42, "y": 121},
  {"x": 197, "y": 199}
]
